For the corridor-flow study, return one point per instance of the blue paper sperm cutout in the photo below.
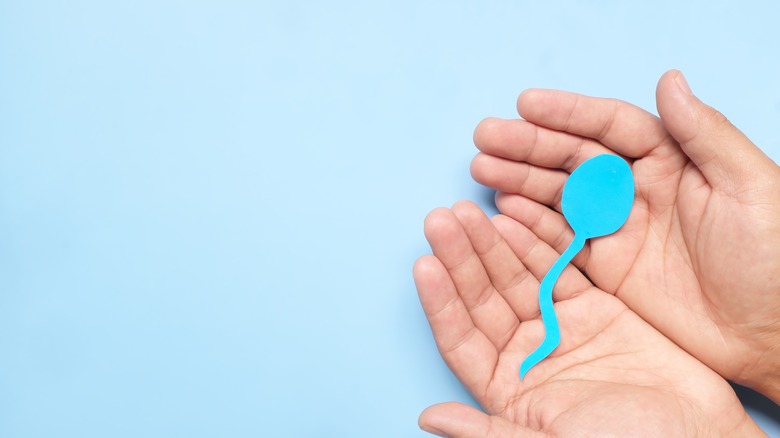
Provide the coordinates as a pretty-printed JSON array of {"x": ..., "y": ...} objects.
[{"x": 596, "y": 201}]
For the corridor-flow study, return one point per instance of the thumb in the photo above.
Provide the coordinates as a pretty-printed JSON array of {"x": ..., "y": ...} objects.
[
  {"x": 456, "y": 420},
  {"x": 727, "y": 159}
]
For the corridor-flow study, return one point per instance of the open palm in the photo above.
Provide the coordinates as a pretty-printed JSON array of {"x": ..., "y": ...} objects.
[
  {"x": 698, "y": 257},
  {"x": 612, "y": 374}
]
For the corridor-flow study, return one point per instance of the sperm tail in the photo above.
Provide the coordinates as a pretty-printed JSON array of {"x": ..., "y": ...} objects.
[
  {"x": 551, "y": 341},
  {"x": 552, "y": 336}
]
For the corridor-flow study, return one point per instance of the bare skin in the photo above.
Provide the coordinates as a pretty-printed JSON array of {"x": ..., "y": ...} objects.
[
  {"x": 612, "y": 375},
  {"x": 699, "y": 257}
]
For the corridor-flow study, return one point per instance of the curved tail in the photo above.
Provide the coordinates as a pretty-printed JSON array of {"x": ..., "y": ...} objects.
[{"x": 552, "y": 332}]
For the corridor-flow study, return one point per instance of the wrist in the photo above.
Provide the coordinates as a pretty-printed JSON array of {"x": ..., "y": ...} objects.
[
  {"x": 748, "y": 428},
  {"x": 765, "y": 377},
  {"x": 770, "y": 387}
]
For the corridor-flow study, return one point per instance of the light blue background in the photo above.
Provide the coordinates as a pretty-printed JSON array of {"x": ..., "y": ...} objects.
[{"x": 209, "y": 210}]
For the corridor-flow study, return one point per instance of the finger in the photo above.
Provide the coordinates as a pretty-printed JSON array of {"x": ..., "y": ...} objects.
[
  {"x": 624, "y": 128},
  {"x": 519, "y": 140},
  {"x": 547, "y": 224},
  {"x": 487, "y": 308},
  {"x": 457, "y": 420},
  {"x": 507, "y": 273},
  {"x": 727, "y": 159},
  {"x": 466, "y": 350},
  {"x": 538, "y": 183},
  {"x": 538, "y": 257}
]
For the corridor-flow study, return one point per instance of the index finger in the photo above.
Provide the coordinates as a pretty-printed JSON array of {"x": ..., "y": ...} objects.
[{"x": 622, "y": 127}]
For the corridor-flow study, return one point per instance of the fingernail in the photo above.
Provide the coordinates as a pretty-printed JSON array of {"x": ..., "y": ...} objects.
[
  {"x": 683, "y": 84},
  {"x": 433, "y": 430}
]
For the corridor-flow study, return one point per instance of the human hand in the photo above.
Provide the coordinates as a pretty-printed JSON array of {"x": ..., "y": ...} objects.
[
  {"x": 699, "y": 257},
  {"x": 612, "y": 374}
]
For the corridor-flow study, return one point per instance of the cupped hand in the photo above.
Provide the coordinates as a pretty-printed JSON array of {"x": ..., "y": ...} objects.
[
  {"x": 612, "y": 375},
  {"x": 699, "y": 257}
]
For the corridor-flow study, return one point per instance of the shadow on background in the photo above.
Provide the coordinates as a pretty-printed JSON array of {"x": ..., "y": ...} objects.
[{"x": 756, "y": 403}]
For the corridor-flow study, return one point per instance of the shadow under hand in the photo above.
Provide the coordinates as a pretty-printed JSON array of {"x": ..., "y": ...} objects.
[{"x": 760, "y": 408}]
